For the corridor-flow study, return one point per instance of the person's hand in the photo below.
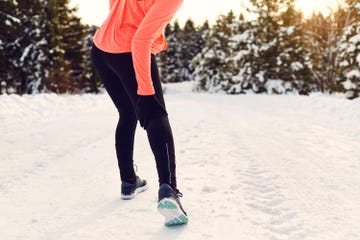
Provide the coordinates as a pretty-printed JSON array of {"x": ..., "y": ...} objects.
[{"x": 148, "y": 108}]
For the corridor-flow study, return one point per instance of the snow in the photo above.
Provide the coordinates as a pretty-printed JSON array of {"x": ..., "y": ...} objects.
[
  {"x": 14, "y": 19},
  {"x": 357, "y": 6},
  {"x": 296, "y": 66},
  {"x": 279, "y": 86},
  {"x": 250, "y": 167},
  {"x": 351, "y": 48},
  {"x": 355, "y": 39},
  {"x": 260, "y": 76},
  {"x": 353, "y": 74},
  {"x": 288, "y": 30},
  {"x": 348, "y": 84},
  {"x": 26, "y": 52},
  {"x": 246, "y": 36},
  {"x": 344, "y": 63}
]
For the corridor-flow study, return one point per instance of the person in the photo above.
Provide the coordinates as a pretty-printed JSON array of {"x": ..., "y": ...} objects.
[{"x": 123, "y": 54}]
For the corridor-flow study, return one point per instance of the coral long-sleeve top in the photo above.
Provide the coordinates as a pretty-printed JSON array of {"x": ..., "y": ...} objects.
[{"x": 137, "y": 26}]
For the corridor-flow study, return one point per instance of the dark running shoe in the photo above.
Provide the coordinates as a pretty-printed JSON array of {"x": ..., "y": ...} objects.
[
  {"x": 170, "y": 207},
  {"x": 128, "y": 190}
]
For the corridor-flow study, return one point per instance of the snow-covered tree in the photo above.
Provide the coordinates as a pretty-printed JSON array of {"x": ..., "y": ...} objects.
[
  {"x": 9, "y": 30},
  {"x": 245, "y": 47},
  {"x": 322, "y": 35},
  {"x": 349, "y": 53},
  {"x": 69, "y": 64},
  {"x": 189, "y": 38},
  {"x": 75, "y": 49},
  {"x": 183, "y": 44},
  {"x": 213, "y": 69},
  {"x": 31, "y": 55},
  {"x": 89, "y": 79},
  {"x": 293, "y": 59},
  {"x": 268, "y": 53},
  {"x": 272, "y": 35},
  {"x": 162, "y": 58},
  {"x": 171, "y": 58},
  {"x": 42, "y": 42}
]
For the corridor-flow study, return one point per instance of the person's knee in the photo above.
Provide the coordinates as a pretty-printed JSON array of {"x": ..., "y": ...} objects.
[
  {"x": 127, "y": 118},
  {"x": 149, "y": 108}
]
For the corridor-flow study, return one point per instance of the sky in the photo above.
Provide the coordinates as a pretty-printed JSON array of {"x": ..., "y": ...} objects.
[{"x": 95, "y": 11}]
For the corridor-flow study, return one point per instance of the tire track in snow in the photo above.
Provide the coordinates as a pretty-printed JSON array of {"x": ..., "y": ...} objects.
[
  {"x": 263, "y": 196},
  {"x": 203, "y": 148},
  {"x": 252, "y": 191}
]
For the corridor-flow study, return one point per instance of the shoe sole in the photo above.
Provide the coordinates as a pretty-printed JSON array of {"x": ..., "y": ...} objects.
[
  {"x": 137, "y": 190},
  {"x": 170, "y": 209}
]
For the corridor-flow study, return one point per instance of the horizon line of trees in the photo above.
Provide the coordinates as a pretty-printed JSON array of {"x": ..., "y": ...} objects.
[
  {"x": 45, "y": 48},
  {"x": 279, "y": 52}
]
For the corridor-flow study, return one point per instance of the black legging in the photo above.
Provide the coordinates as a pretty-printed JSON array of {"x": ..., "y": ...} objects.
[{"x": 116, "y": 71}]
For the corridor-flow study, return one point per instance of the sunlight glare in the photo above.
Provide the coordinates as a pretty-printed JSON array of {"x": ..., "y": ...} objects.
[{"x": 310, "y": 6}]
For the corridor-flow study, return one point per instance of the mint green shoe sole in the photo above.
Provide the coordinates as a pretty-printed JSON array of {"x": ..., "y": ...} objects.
[{"x": 172, "y": 212}]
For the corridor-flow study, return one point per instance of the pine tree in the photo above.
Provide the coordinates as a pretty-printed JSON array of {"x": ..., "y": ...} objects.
[
  {"x": 44, "y": 47},
  {"x": 8, "y": 44},
  {"x": 74, "y": 51},
  {"x": 316, "y": 33},
  {"x": 162, "y": 57},
  {"x": 323, "y": 34},
  {"x": 200, "y": 44},
  {"x": 245, "y": 46},
  {"x": 188, "y": 40},
  {"x": 173, "y": 54},
  {"x": 268, "y": 14},
  {"x": 213, "y": 69},
  {"x": 90, "y": 81},
  {"x": 30, "y": 57},
  {"x": 349, "y": 53},
  {"x": 59, "y": 80},
  {"x": 183, "y": 45},
  {"x": 293, "y": 59},
  {"x": 200, "y": 37},
  {"x": 68, "y": 38}
]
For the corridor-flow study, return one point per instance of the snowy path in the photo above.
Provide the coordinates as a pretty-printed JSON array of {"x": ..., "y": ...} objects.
[{"x": 250, "y": 167}]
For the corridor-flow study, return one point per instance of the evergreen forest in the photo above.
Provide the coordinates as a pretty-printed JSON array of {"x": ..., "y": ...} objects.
[{"x": 45, "y": 48}]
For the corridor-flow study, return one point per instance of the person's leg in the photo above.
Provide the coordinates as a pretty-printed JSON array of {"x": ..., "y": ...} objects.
[
  {"x": 158, "y": 130},
  {"x": 160, "y": 134},
  {"x": 125, "y": 130},
  {"x": 161, "y": 142},
  {"x": 163, "y": 125}
]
